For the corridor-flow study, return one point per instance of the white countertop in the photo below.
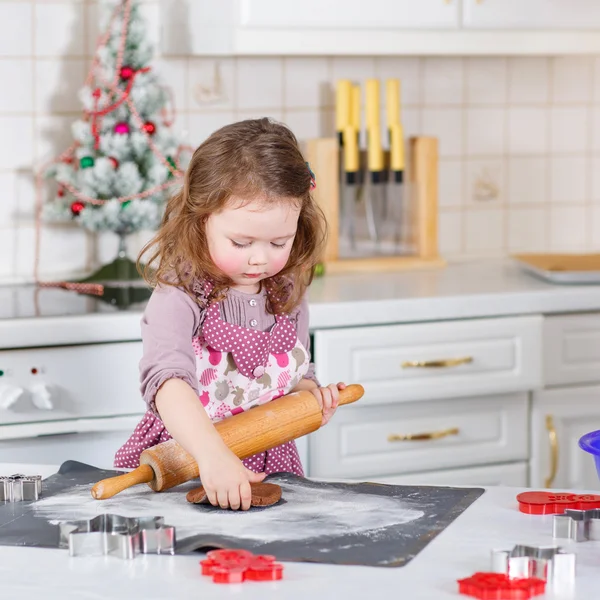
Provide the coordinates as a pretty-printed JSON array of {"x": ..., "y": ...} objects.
[
  {"x": 458, "y": 291},
  {"x": 492, "y": 522}
]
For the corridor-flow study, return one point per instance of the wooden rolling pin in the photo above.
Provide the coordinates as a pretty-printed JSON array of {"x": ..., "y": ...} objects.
[{"x": 166, "y": 465}]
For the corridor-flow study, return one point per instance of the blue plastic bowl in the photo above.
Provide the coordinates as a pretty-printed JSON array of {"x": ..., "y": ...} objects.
[{"x": 590, "y": 442}]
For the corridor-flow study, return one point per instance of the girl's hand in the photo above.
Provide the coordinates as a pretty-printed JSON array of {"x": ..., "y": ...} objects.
[
  {"x": 225, "y": 479},
  {"x": 328, "y": 398}
]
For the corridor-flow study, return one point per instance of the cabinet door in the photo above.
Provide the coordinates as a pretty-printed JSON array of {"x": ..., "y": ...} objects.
[
  {"x": 349, "y": 14},
  {"x": 559, "y": 418},
  {"x": 531, "y": 14}
]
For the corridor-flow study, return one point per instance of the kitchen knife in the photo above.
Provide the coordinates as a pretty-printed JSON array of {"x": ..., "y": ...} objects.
[
  {"x": 376, "y": 194},
  {"x": 350, "y": 182}
]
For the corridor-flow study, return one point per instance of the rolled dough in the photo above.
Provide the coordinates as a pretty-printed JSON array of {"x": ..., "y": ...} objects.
[{"x": 263, "y": 494}]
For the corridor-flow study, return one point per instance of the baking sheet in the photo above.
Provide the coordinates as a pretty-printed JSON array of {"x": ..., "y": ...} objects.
[{"x": 336, "y": 523}]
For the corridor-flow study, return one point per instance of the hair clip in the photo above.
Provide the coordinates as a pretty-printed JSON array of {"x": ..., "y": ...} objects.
[{"x": 313, "y": 181}]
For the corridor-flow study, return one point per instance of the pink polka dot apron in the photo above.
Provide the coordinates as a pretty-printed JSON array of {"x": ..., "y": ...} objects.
[{"x": 237, "y": 369}]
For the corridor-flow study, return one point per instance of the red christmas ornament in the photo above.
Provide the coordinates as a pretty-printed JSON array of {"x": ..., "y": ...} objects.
[
  {"x": 61, "y": 192},
  {"x": 77, "y": 207},
  {"x": 97, "y": 93},
  {"x": 114, "y": 161},
  {"x": 122, "y": 128},
  {"x": 126, "y": 72},
  {"x": 149, "y": 127}
]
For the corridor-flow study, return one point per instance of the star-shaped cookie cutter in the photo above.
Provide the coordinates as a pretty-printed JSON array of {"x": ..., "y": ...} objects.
[
  {"x": 16, "y": 488},
  {"x": 114, "y": 535},
  {"x": 549, "y": 563},
  {"x": 577, "y": 525}
]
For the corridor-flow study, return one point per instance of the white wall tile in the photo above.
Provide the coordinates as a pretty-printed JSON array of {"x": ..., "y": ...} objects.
[
  {"x": 63, "y": 249},
  {"x": 569, "y": 129},
  {"x": 53, "y": 136},
  {"x": 567, "y": 228},
  {"x": 411, "y": 121},
  {"x": 150, "y": 11},
  {"x": 595, "y": 228},
  {"x": 447, "y": 125},
  {"x": 201, "y": 125},
  {"x": 486, "y": 129},
  {"x": 211, "y": 84},
  {"x": 571, "y": 79},
  {"x": 486, "y": 80},
  {"x": 17, "y": 197},
  {"x": 443, "y": 81},
  {"x": 451, "y": 188},
  {"x": 527, "y": 131},
  {"x": 595, "y": 129},
  {"x": 408, "y": 70},
  {"x": 16, "y": 28},
  {"x": 173, "y": 75},
  {"x": 275, "y": 114},
  {"x": 568, "y": 179},
  {"x": 16, "y": 144},
  {"x": 7, "y": 251},
  {"x": 485, "y": 182},
  {"x": 484, "y": 231},
  {"x": 450, "y": 233},
  {"x": 307, "y": 83},
  {"x": 16, "y": 76},
  {"x": 527, "y": 229},
  {"x": 528, "y": 80},
  {"x": 59, "y": 29},
  {"x": 57, "y": 84},
  {"x": 306, "y": 124},
  {"x": 596, "y": 76},
  {"x": 527, "y": 180},
  {"x": 595, "y": 178},
  {"x": 355, "y": 68},
  {"x": 259, "y": 83}
]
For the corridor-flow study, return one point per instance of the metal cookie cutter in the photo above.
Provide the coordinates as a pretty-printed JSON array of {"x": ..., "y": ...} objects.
[
  {"x": 577, "y": 525},
  {"x": 17, "y": 488},
  {"x": 114, "y": 535},
  {"x": 549, "y": 563}
]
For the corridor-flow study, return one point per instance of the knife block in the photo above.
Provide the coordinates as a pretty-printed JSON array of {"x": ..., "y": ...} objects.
[{"x": 420, "y": 192}]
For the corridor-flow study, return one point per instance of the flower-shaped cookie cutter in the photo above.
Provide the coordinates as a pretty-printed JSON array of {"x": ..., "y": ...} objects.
[
  {"x": 496, "y": 585},
  {"x": 236, "y": 566},
  {"x": 16, "y": 488},
  {"x": 577, "y": 525},
  {"x": 114, "y": 535},
  {"x": 548, "y": 563}
]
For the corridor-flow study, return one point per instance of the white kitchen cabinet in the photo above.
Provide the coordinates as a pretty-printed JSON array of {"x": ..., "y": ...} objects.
[
  {"x": 379, "y": 27},
  {"x": 424, "y": 361},
  {"x": 559, "y": 418},
  {"x": 531, "y": 14},
  {"x": 421, "y": 436},
  {"x": 571, "y": 349},
  {"x": 509, "y": 474}
]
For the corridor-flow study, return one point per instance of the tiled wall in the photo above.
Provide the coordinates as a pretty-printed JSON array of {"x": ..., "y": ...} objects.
[{"x": 519, "y": 137}]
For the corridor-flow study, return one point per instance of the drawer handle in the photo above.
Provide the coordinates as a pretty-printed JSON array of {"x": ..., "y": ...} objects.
[
  {"x": 445, "y": 362},
  {"x": 420, "y": 437},
  {"x": 549, "y": 481}
]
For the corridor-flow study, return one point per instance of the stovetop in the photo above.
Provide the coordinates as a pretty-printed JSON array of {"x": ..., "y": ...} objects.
[{"x": 31, "y": 301}]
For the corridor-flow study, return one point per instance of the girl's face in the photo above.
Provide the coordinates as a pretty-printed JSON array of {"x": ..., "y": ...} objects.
[{"x": 251, "y": 240}]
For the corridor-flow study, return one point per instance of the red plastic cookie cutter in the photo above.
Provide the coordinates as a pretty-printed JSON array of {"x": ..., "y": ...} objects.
[
  {"x": 236, "y": 566},
  {"x": 547, "y": 503},
  {"x": 496, "y": 586}
]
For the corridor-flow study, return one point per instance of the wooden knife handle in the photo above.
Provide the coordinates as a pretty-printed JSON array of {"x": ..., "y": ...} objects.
[{"x": 245, "y": 434}]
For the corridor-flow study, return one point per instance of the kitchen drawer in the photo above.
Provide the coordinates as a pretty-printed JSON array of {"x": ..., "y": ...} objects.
[
  {"x": 572, "y": 349},
  {"x": 511, "y": 474},
  {"x": 457, "y": 433},
  {"x": 94, "y": 380},
  {"x": 401, "y": 363}
]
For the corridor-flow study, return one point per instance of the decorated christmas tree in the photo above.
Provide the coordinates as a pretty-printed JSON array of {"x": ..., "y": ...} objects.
[{"x": 125, "y": 158}]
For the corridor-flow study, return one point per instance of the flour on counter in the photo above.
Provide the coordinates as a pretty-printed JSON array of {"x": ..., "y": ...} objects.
[{"x": 306, "y": 513}]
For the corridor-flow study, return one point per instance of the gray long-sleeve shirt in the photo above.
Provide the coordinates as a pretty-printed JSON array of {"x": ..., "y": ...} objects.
[{"x": 172, "y": 318}]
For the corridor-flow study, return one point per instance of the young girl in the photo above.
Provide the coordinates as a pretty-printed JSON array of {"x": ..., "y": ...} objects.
[{"x": 226, "y": 327}]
